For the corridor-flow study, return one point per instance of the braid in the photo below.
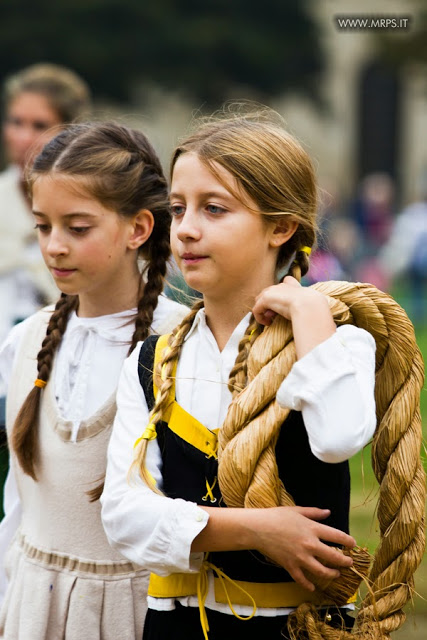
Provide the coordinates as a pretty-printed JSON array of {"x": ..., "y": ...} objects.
[
  {"x": 147, "y": 303},
  {"x": 25, "y": 429},
  {"x": 299, "y": 266},
  {"x": 165, "y": 380},
  {"x": 238, "y": 374}
]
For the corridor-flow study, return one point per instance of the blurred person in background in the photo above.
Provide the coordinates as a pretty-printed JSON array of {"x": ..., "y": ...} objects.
[
  {"x": 37, "y": 101},
  {"x": 404, "y": 256},
  {"x": 337, "y": 249},
  {"x": 373, "y": 209},
  {"x": 373, "y": 212}
]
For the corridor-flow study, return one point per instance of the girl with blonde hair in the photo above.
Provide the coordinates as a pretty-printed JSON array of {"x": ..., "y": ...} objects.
[
  {"x": 100, "y": 206},
  {"x": 244, "y": 201}
]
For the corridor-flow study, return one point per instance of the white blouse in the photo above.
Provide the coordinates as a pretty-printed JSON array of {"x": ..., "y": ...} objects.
[
  {"x": 89, "y": 360},
  {"x": 334, "y": 380}
]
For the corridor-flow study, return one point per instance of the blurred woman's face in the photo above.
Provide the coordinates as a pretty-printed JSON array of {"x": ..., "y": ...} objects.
[{"x": 28, "y": 127}]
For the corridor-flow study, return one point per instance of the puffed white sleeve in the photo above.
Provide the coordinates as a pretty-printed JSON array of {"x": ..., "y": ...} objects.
[
  {"x": 333, "y": 385},
  {"x": 151, "y": 530}
]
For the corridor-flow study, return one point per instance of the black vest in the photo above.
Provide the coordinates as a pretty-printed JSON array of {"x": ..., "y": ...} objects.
[{"x": 311, "y": 482}]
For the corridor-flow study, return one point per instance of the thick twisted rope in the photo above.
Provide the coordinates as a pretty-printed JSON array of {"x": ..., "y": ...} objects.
[{"x": 248, "y": 473}]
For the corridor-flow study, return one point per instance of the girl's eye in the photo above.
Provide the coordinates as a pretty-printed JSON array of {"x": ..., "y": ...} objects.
[
  {"x": 79, "y": 230},
  {"x": 215, "y": 209},
  {"x": 43, "y": 228},
  {"x": 177, "y": 209},
  {"x": 40, "y": 125}
]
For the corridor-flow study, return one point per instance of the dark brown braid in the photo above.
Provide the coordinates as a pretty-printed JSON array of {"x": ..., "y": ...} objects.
[
  {"x": 155, "y": 277},
  {"x": 156, "y": 271},
  {"x": 26, "y": 427}
]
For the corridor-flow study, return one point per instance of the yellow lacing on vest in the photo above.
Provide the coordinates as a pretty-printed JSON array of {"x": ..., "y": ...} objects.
[
  {"x": 212, "y": 450},
  {"x": 202, "y": 592},
  {"x": 209, "y": 491}
]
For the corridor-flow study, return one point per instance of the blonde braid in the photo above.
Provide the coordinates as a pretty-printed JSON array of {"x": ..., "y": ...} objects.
[
  {"x": 238, "y": 374},
  {"x": 164, "y": 379}
]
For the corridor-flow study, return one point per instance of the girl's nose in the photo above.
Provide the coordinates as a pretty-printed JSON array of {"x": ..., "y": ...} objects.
[
  {"x": 188, "y": 227},
  {"x": 56, "y": 244}
]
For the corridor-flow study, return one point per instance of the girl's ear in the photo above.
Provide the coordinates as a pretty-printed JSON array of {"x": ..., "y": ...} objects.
[
  {"x": 282, "y": 231},
  {"x": 141, "y": 227}
]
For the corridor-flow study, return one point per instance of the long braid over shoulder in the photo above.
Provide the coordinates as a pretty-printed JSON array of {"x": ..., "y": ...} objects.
[
  {"x": 25, "y": 430},
  {"x": 164, "y": 377},
  {"x": 119, "y": 168},
  {"x": 239, "y": 373}
]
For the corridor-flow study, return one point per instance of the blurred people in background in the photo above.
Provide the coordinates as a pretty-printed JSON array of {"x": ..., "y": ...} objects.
[
  {"x": 339, "y": 242},
  {"x": 405, "y": 254},
  {"x": 37, "y": 101},
  {"x": 351, "y": 234}
]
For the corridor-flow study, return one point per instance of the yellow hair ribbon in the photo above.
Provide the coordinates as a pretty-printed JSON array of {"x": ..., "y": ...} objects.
[
  {"x": 306, "y": 250},
  {"x": 149, "y": 433},
  {"x": 40, "y": 383}
]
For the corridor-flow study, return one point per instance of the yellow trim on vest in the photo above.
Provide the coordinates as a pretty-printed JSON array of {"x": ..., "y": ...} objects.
[
  {"x": 265, "y": 594},
  {"x": 191, "y": 430}
]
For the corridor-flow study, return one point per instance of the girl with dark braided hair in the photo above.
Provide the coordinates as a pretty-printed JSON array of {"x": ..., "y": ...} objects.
[
  {"x": 243, "y": 201},
  {"x": 100, "y": 204}
]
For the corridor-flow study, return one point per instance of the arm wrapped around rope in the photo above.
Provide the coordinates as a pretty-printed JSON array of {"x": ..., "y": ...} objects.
[{"x": 248, "y": 473}]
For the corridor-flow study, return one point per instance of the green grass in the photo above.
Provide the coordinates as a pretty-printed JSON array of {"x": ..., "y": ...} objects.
[{"x": 364, "y": 525}]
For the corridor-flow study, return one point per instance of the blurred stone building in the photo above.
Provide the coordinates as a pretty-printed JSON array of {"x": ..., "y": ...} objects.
[{"x": 373, "y": 118}]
